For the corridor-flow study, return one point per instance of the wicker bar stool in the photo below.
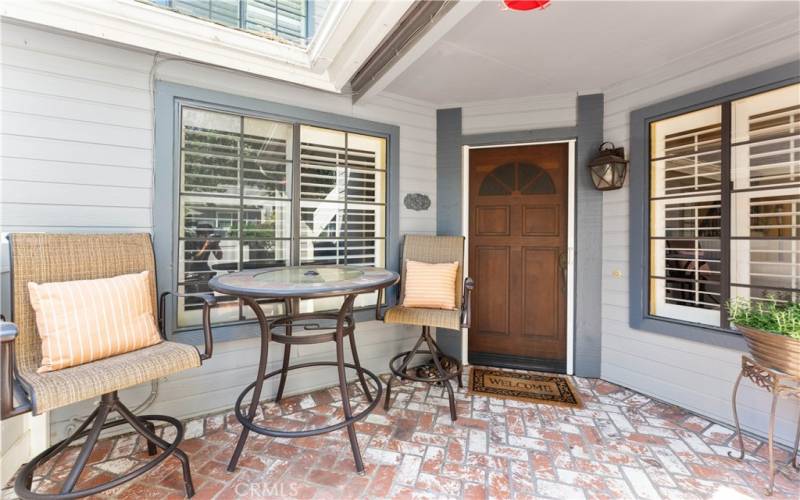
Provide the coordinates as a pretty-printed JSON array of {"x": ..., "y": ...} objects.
[
  {"x": 46, "y": 258},
  {"x": 431, "y": 250}
]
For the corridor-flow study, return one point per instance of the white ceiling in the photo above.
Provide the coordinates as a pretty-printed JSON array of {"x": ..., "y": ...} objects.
[{"x": 571, "y": 46}]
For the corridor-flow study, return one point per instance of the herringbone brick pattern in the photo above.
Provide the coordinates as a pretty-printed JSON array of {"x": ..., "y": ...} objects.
[{"x": 620, "y": 445}]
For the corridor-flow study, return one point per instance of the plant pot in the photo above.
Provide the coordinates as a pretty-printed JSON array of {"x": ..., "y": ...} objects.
[{"x": 772, "y": 350}]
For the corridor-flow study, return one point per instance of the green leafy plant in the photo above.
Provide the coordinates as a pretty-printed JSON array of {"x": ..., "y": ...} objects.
[{"x": 769, "y": 315}]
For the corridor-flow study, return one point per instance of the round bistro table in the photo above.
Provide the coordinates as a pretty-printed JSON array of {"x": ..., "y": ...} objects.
[{"x": 291, "y": 284}]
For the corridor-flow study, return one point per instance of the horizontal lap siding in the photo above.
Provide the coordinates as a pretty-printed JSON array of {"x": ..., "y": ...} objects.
[
  {"x": 691, "y": 374},
  {"x": 76, "y": 134},
  {"x": 77, "y": 156},
  {"x": 531, "y": 113}
]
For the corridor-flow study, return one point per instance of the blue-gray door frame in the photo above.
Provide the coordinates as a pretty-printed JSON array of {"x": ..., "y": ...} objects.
[{"x": 588, "y": 216}]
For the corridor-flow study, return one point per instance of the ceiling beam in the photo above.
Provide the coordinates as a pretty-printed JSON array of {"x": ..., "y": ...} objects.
[
  {"x": 356, "y": 45},
  {"x": 424, "y": 24}
]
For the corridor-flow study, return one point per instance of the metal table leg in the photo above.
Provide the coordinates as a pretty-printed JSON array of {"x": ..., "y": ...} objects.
[{"x": 259, "y": 384}]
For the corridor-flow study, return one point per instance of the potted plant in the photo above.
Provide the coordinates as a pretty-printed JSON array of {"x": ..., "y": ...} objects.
[{"x": 772, "y": 331}]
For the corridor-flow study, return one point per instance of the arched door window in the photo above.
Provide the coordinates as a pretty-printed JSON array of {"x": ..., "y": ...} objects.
[{"x": 522, "y": 178}]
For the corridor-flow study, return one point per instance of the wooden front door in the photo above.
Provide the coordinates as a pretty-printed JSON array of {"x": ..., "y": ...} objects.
[{"x": 518, "y": 255}]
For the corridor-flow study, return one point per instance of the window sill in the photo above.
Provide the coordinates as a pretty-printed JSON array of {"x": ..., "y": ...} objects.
[
  {"x": 244, "y": 330},
  {"x": 690, "y": 331}
]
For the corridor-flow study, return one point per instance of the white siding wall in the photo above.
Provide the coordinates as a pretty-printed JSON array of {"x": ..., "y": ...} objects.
[
  {"x": 77, "y": 156},
  {"x": 530, "y": 113},
  {"x": 694, "y": 375}
]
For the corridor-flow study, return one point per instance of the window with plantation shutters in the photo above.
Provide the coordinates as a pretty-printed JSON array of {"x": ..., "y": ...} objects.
[
  {"x": 247, "y": 202},
  {"x": 725, "y": 206}
]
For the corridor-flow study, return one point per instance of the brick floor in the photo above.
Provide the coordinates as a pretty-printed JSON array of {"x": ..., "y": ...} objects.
[{"x": 620, "y": 445}]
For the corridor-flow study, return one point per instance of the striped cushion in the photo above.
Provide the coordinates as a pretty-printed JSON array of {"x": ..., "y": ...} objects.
[
  {"x": 87, "y": 320},
  {"x": 430, "y": 285}
]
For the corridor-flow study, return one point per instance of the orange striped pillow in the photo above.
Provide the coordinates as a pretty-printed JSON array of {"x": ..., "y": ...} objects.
[
  {"x": 87, "y": 320},
  {"x": 432, "y": 286}
]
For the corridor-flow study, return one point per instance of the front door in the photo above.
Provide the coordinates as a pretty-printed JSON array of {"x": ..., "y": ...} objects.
[{"x": 518, "y": 255}]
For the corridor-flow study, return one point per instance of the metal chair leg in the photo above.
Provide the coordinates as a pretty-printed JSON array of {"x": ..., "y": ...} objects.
[
  {"x": 88, "y": 445},
  {"x": 388, "y": 392},
  {"x": 442, "y": 373},
  {"x": 403, "y": 368},
  {"x": 460, "y": 368},
  {"x": 151, "y": 448},
  {"x": 146, "y": 430},
  {"x": 64, "y": 444}
]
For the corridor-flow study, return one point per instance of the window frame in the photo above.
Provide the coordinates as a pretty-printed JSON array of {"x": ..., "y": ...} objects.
[
  {"x": 169, "y": 99},
  {"x": 639, "y": 198},
  {"x": 242, "y": 20}
]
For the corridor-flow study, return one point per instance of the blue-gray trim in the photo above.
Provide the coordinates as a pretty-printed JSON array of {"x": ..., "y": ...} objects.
[
  {"x": 448, "y": 172},
  {"x": 588, "y": 233},
  {"x": 520, "y": 136},
  {"x": 639, "y": 176},
  {"x": 588, "y": 214},
  {"x": 448, "y": 199},
  {"x": 168, "y": 99}
]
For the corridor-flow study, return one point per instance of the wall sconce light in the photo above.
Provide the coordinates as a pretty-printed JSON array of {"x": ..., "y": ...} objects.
[{"x": 609, "y": 167}]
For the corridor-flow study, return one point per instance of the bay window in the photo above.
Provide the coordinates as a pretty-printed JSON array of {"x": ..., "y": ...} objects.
[{"x": 724, "y": 206}]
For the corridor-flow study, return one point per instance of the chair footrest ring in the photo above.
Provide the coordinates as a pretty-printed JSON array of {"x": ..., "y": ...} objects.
[
  {"x": 29, "y": 469},
  {"x": 406, "y": 376}
]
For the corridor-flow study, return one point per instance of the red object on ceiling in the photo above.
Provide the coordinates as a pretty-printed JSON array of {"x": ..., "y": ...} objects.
[{"x": 526, "y": 4}]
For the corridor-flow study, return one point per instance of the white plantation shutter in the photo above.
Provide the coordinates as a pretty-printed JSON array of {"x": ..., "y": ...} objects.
[
  {"x": 686, "y": 216},
  {"x": 765, "y": 252}
]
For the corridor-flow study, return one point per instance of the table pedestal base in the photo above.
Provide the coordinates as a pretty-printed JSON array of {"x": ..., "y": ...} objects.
[{"x": 345, "y": 326}]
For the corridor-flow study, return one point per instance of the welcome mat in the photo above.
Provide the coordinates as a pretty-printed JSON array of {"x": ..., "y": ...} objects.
[{"x": 531, "y": 387}]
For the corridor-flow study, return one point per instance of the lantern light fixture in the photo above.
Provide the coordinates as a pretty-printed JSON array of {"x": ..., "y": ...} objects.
[{"x": 609, "y": 167}]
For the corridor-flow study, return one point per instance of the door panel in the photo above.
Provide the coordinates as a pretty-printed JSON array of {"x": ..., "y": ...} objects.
[
  {"x": 491, "y": 265},
  {"x": 517, "y": 251},
  {"x": 492, "y": 221},
  {"x": 540, "y": 278},
  {"x": 540, "y": 220}
]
